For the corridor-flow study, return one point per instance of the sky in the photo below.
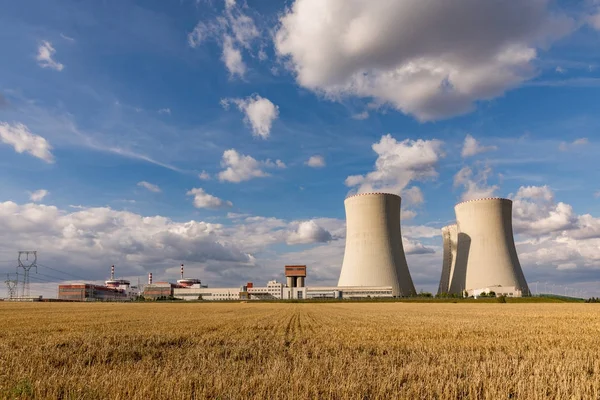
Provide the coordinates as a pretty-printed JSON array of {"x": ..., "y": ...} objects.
[{"x": 225, "y": 135}]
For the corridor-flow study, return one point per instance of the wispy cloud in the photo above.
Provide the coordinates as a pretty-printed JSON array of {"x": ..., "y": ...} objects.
[
  {"x": 22, "y": 140},
  {"x": 149, "y": 186},
  {"x": 44, "y": 57},
  {"x": 67, "y": 38},
  {"x": 38, "y": 195}
]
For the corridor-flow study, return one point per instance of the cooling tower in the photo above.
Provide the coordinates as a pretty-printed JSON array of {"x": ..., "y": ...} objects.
[
  {"x": 450, "y": 237},
  {"x": 486, "y": 254},
  {"x": 374, "y": 255}
]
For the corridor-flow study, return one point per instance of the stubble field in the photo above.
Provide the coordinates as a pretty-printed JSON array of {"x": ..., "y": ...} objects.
[{"x": 356, "y": 351}]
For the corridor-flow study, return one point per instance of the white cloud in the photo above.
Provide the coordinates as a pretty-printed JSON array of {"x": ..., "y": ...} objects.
[
  {"x": 431, "y": 59},
  {"x": 594, "y": 21},
  {"x": 361, "y": 115},
  {"x": 198, "y": 35},
  {"x": 149, "y": 186},
  {"x": 129, "y": 240},
  {"x": 316, "y": 162},
  {"x": 556, "y": 235},
  {"x": 204, "y": 176},
  {"x": 472, "y": 147},
  {"x": 205, "y": 200},
  {"x": 259, "y": 113},
  {"x": 165, "y": 111},
  {"x": 309, "y": 232},
  {"x": 234, "y": 31},
  {"x": 560, "y": 70},
  {"x": 536, "y": 213},
  {"x": 399, "y": 163},
  {"x": 22, "y": 140},
  {"x": 564, "y": 146},
  {"x": 67, "y": 38},
  {"x": 44, "y": 57},
  {"x": 415, "y": 247},
  {"x": 406, "y": 215},
  {"x": 475, "y": 185},
  {"x": 38, "y": 195},
  {"x": 240, "y": 167},
  {"x": 420, "y": 231},
  {"x": 412, "y": 196},
  {"x": 232, "y": 57},
  {"x": 280, "y": 164},
  {"x": 242, "y": 26}
]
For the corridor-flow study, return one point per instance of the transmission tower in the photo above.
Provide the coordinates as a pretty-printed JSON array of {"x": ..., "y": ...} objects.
[
  {"x": 26, "y": 264},
  {"x": 12, "y": 286}
]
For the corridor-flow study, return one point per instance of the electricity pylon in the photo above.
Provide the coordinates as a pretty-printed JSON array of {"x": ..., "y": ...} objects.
[
  {"x": 26, "y": 265},
  {"x": 12, "y": 286}
]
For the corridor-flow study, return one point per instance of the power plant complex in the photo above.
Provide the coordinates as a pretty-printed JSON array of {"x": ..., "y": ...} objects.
[
  {"x": 479, "y": 251},
  {"x": 479, "y": 257}
]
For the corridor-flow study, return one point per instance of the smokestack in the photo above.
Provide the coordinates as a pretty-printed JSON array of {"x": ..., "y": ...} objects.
[
  {"x": 150, "y": 278},
  {"x": 112, "y": 273},
  {"x": 374, "y": 254},
  {"x": 181, "y": 271}
]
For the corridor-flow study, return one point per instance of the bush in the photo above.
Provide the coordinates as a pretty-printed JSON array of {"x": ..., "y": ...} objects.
[{"x": 501, "y": 299}]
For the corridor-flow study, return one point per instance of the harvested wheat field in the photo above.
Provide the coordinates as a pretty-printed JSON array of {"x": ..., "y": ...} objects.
[{"x": 355, "y": 351}]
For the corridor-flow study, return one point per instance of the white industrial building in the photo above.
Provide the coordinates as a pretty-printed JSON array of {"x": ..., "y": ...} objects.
[
  {"x": 273, "y": 291},
  {"x": 479, "y": 251}
]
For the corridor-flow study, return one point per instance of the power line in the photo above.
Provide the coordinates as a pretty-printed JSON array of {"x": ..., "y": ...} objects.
[{"x": 62, "y": 272}]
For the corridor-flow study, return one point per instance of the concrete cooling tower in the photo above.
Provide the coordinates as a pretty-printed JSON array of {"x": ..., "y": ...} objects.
[
  {"x": 374, "y": 254},
  {"x": 450, "y": 237},
  {"x": 486, "y": 256}
]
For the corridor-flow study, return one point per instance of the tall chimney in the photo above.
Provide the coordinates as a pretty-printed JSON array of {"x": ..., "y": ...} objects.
[
  {"x": 150, "y": 278},
  {"x": 112, "y": 273}
]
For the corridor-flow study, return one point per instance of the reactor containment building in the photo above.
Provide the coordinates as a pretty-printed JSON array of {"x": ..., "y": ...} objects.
[
  {"x": 374, "y": 255},
  {"x": 479, "y": 251}
]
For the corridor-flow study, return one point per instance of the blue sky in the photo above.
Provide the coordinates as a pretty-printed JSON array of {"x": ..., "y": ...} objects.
[{"x": 111, "y": 110}]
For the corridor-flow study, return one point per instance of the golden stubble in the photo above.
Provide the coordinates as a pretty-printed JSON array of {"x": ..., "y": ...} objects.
[{"x": 300, "y": 351}]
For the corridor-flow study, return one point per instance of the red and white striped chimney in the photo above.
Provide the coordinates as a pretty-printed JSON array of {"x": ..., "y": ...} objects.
[
  {"x": 112, "y": 273},
  {"x": 150, "y": 278},
  {"x": 181, "y": 271}
]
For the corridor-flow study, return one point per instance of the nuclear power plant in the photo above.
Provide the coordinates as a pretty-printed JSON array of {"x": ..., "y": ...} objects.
[
  {"x": 479, "y": 251},
  {"x": 479, "y": 256},
  {"x": 374, "y": 255}
]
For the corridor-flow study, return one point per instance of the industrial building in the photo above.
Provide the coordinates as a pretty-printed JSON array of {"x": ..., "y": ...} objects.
[
  {"x": 479, "y": 251},
  {"x": 112, "y": 290},
  {"x": 192, "y": 289},
  {"x": 374, "y": 255}
]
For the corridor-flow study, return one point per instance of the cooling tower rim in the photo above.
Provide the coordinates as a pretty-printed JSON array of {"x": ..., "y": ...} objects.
[
  {"x": 372, "y": 193},
  {"x": 483, "y": 199}
]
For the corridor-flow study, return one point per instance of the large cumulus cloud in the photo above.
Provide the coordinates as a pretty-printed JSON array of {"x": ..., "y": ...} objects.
[{"x": 431, "y": 59}]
